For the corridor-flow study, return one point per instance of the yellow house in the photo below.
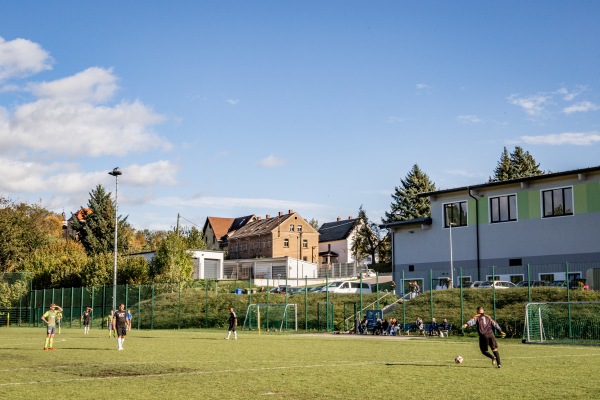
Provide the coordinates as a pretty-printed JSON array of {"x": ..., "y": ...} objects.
[{"x": 286, "y": 235}]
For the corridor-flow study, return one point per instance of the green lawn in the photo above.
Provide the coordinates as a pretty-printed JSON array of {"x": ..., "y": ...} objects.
[{"x": 188, "y": 364}]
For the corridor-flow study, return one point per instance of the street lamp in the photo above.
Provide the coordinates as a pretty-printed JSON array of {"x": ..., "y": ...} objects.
[
  {"x": 451, "y": 262},
  {"x": 115, "y": 172}
]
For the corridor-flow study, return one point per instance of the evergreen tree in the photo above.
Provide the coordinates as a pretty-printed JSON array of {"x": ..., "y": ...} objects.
[
  {"x": 368, "y": 240},
  {"x": 518, "y": 164},
  {"x": 96, "y": 231},
  {"x": 406, "y": 204}
]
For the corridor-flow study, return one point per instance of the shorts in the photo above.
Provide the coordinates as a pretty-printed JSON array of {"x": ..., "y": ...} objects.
[
  {"x": 487, "y": 340},
  {"x": 121, "y": 330},
  {"x": 51, "y": 330},
  {"x": 86, "y": 323},
  {"x": 232, "y": 328},
  {"x": 110, "y": 327}
]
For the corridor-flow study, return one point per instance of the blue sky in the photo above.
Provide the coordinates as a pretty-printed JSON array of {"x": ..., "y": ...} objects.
[{"x": 230, "y": 108}]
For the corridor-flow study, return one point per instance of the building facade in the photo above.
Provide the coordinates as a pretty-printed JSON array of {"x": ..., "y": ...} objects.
[
  {"x": 286, "y": 235},
  {"x": 547, "y": 225}
]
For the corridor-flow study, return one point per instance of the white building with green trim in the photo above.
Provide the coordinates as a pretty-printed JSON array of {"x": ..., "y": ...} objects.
[{"x": 548, "y": 225}]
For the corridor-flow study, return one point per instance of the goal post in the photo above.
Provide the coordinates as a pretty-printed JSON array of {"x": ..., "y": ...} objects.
[
  {"x": 562, "y": 322},
  {"x": 271, "y": 317}
]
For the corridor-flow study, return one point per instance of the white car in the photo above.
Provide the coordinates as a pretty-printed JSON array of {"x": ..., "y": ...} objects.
[{"x": 497, "y": 285}]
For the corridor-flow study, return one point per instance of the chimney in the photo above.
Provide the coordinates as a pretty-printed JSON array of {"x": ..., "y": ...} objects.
[
  {"x": 290, "y": 211},
  {"x": 268, "y": 216},
  {"x": 280, "y": 213},
  {"x": 258, "y": 218},
  {"x": 350, "y": 217},
  {"x": 339, "y": 219}
]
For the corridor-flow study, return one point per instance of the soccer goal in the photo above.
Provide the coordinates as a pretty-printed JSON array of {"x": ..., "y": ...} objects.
[
  {"x": 271, "y": 317},
  {"x": 562, "y": 322}
]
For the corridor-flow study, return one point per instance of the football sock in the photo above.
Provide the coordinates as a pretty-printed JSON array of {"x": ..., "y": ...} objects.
[
  {"x": 497, "y": 357},
  {"x": 487, "y": 354},
  {"x": 46, "y": 342},
  {"x": 235, "y": 335},
  {"x": 51, "y": 341}
]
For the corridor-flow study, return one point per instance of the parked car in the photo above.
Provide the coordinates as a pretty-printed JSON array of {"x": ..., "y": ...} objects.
[
  {"x": 316, "y": 289},
  {"x": 366, "y": 273},
  {"x": 497, "y": 285},
  {"x": 348, "y": 287},
  {"x": 531, "y": 283},
  {"x": 559, "y": 284},
  {"x": 476, "y": 284}
]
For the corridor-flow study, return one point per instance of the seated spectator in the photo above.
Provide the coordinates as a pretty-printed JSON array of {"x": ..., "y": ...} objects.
[
  {"x": 377, "y": 327},
  {"x": 362, "y": 326},
  {"x": 433, "y": 327},
  {"x": 418, "y": 326},
  {"x": 385, "y": 325},
  {"x": 444, "y": 327}
]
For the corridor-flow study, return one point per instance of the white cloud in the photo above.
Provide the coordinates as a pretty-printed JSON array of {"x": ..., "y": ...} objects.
[
  {"x": 161, "y": 172},
  {"x": 396, "y": 120},
  {"x": 93, "y": 85},
  {"x": 469, "y": 119},
  {"x": 567, "y": 138},
  {"x": 532, "y": 105},
  {"x": 423, "y": 86},
  {"x": 66, "y": 119},
  {"x": 20, "y": 58},
  {"x": 233, "y": 101},
  {"x": 583, "y": 106},
  {"x": 569, "y": 95},
  {"x": 271, "y": 161}
]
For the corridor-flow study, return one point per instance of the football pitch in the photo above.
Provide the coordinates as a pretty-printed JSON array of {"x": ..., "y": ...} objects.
[{"x": 199, "y": 364}]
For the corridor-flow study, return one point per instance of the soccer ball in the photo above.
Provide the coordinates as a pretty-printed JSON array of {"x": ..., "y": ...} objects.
[{"x": 458, "y": 360}]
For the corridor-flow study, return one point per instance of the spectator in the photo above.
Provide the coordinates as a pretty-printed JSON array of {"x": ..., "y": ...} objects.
[
  {"x": 433, "y": 327},
  {"x": 377, "y": 327},
  {"x": 385, "y": 325},
  {"x": 444, "y": 328},
  {"x": 362, "y": 327},
  {"x": 419, "y": 325}
]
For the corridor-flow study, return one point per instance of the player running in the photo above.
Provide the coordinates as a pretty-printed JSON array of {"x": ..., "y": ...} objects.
[{"x": 485, "y": 328}]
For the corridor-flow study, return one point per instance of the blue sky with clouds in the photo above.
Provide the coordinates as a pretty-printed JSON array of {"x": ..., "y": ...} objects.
[{"x": 229, "y": 108}]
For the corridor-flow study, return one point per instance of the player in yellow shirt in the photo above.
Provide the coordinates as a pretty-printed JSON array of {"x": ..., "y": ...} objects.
[{"x": 50, "y": 318}]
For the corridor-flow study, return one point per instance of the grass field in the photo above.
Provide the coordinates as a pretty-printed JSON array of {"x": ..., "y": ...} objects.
[{"x": 190, "y": 364}]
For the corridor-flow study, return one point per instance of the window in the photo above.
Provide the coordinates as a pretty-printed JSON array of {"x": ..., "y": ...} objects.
[
  {"x": 305, "y": 244},
  {"x": 411, "y": 268},
  {"x": 268, "y": 243},
  {"x": 503, "y": 208},
  {"x": 455, "y": 214},
  {"x": 557, "y": 202},
  {"x": 515, "y": 262},
  {"x": 286, "y": 242},
  {"x": 291, "y": 227},
  {"x": 299, "y": 228}
]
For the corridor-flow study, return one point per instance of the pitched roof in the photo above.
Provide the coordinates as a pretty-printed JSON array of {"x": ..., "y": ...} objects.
[
  {"x": 261, "y": 226},
  {"x": 220, "y": 226},
  {"x": 338, "y": 230}
]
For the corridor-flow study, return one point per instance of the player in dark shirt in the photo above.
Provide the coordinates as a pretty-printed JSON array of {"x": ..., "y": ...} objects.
[
  {"x": 485, "y": 328},
  {"x": 232, "y": 320},
  {"x": 120, "y": 325},
  {"x": 86, "y": 320}
]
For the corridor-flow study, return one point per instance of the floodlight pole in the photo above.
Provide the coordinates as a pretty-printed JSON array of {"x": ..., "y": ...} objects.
[
  {"x": 451, "y": 261},
  {"x": 115, "y": 172}
]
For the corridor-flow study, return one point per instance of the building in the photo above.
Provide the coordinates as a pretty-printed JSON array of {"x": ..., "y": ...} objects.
[
  {"x": 335, "y": 241},
  {"x": 547, "y": 224},
  {"x": 216, "y": 230},
  {"x": 286, "y": 235},
  {"x": 207, "y": 264}
]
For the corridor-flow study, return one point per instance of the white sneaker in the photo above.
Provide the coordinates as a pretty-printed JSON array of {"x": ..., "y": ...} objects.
[{"x": 226, "y": 338}]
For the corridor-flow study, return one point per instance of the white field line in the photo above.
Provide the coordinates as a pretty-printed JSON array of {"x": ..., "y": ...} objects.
[{"x": 261, "y": 369}]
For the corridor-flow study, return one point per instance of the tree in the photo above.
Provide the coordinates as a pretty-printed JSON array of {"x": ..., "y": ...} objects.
[
  {"x": 314, "y": 223},
  {"x": 172, "y": 261},
  {"x": 96, "y": 229},
  {"x": 407, "y": 205},
  {"x": 518, "y": 164},
  {"x": 58, "y": 264},
  {"x": 24, "y": 228},
  {"x": 368, "y": 240}
]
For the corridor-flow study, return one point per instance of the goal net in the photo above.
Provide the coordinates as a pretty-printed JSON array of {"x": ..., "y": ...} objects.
[
  {"x": 562, "y": 322},
  {"x": 271, "y": 317}
]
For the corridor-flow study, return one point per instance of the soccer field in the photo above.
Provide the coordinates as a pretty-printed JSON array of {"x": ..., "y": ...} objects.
[{"x": 191, "y": 364}]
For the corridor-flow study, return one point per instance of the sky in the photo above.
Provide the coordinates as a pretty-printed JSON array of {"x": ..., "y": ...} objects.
[{"x": 231, "y": 108}]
